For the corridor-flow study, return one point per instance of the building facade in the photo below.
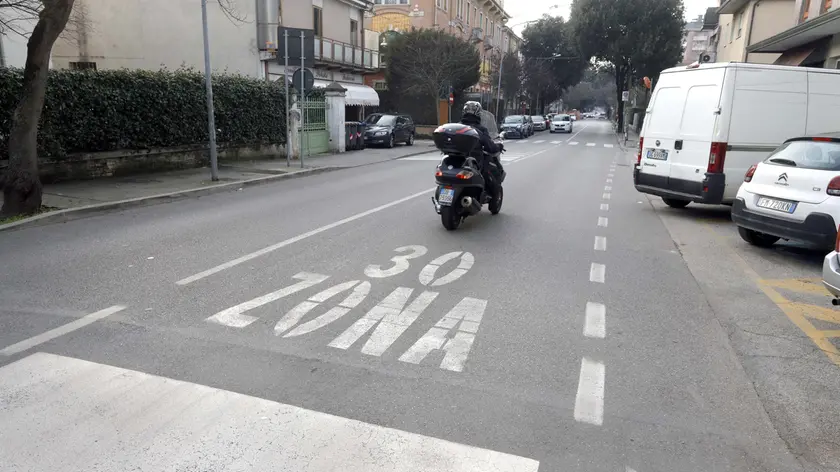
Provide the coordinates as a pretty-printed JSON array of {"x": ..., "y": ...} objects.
[
  {"x": 812, "y": 39},
  {"x": 698, "y": 38},
  {"x": 744, "y": 23}
]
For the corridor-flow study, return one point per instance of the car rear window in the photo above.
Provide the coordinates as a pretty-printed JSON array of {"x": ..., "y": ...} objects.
[{"x": 820, "y": 155}]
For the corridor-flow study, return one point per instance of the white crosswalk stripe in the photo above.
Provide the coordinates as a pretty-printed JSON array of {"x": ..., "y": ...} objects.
[
  {"x": 434, "y": 157},
  {"x": 539, "y": 142},
  {"x": 608, "y": 145},
  {"x": 573, "y": 143},
  {"x": 139, "y": 421},
  {"x": 590, "y": 144},
  {"x": 557, "y": 142}
]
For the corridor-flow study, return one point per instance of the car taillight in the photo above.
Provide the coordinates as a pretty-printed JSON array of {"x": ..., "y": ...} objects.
[
  {"x": 750, "y": 172},
  {"x": 717, "y": 154},
  {"x": 833, "y": 187},
  {"x": 639, "y": 154}
]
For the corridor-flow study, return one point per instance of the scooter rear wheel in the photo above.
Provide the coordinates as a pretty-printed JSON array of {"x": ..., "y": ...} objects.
[
  {"x": 495, "y": 205},
  {"x": 450, "y": 218}
]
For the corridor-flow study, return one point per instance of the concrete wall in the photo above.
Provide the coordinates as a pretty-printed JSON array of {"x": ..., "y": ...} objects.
[
  {"x": 770, "y": 18},
  {"x": 150, "y": 34}
]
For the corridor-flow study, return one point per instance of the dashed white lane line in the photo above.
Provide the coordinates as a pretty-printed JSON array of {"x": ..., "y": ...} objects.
[
  {"x": 606, "y": 196},
  {"x": 590, "y": 144},
  {"x": 596, "y": 321},
  {"x": 600, "y": 243},
  {"x": 610, "y": 175},
  {"x": 608, "y": 188},
  {"x": 525, "y": 141},
  {"x": 171, "y": 420},
  {"x": 603, "y": 222},
  {"x": 597, "y": 273},
  {"x": 609, "y": 181},
  {"x": 605, "y": 207},
  {"x": 589, "y": 402},
  {"x": 608, "y": 145},
  {"x": 573, "y": 143},
  {"x": 539, "y": 142},
  {"x": 60, "y": 331}
]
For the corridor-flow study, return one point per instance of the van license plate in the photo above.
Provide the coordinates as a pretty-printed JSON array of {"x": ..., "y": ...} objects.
[
  {"x": 778, "y": 205},
  {"x": 657, "y": 154}
]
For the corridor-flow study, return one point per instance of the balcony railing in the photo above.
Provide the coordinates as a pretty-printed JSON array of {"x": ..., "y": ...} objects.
[{"x": 337, "y": 52}]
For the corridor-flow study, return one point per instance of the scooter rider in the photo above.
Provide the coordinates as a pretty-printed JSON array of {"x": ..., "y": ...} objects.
[{"x": 472, "y": 117}]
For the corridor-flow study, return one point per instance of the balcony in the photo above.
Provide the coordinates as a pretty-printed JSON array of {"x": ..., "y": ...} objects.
[{"x": 344, "y": 56}]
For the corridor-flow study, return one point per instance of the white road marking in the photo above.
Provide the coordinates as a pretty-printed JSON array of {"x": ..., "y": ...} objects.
[
  {"x": 60, "y": 331},
  {"x": 610, "y": 175},
  {"x": 557, "y": 142},
  {"x": 574, "y": 135},
  {"x": 235, "y": 317},
  {"x": 167, "y": 424},
  {"x": 607, "y": 188},
  {"x": 297, "y": 313},
  {"x": 401, "y": 263},
  {"x": 525, "y": 141},
  {"x": 300, "y": 237},
  {"x": 589, "y": 402},
  {"x": 539, "y": 142},
  {"x": 605, "y": 207},
  {"x": 608, "y": 145},
  {"x": 391, "y": 319},
  {"x": 590, "y": 144},
  {"x": 600, "y": 243},
  {"x": 467, "y": 315},
  {"x": 609, "y": 181},
  {"x": 606, "y": 196},
  {"x": 597, "y": 273},
  {"x": 628, "y": 469},
  {"x": 573, "y": 143},
  {"x": 427, "y": 274},
  {"x": 596, "y": 321},
  {"x": 603, "y": 221}
]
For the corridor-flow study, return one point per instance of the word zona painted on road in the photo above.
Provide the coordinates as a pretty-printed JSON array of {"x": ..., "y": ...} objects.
[{"x": 454, "y": 334}]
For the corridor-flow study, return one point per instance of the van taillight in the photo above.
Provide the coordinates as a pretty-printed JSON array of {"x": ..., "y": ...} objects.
[
  {"x": 834, "y": 187},
  {"x": 717, "y": 154},
  {"x": 750, "y": 172},
  {"x": 639, "y": 154}
]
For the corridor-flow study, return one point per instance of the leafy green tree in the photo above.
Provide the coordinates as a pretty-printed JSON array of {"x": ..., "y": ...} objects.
[
  {"x": 512, "y": 75},
  {"x": 426, "y": 63},
  {"x": 596, "y": 89},
  {"x": 639, "y": 37},
  {"x": 553, "y": 59}
]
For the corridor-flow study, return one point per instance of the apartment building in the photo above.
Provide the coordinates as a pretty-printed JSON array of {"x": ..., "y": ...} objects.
[
  {"x": 812, "y": 39},
  {"x": 743, "y": 23},
  {"x": 698, "y": 38},
  {"x": 481, "y": 22}
]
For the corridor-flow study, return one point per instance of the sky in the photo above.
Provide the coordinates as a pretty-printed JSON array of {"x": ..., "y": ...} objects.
[{"x": 524, "y": 10}]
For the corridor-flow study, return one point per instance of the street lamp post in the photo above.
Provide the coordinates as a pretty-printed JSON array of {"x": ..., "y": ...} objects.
[{"x": 211, "y": 119}]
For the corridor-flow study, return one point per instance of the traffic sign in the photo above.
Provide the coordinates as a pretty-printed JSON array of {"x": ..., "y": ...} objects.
[{"x": 303, "y": 79}]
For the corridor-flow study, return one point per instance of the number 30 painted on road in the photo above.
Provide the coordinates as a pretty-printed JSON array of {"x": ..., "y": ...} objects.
[{"x": 427, "y": 275}]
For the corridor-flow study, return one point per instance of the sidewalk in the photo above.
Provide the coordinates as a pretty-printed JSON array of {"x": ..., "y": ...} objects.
[{"x": 65, "y": 199}]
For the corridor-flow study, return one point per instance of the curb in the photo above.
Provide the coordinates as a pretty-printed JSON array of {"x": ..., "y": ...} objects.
[{"x": 70, "y": 214}]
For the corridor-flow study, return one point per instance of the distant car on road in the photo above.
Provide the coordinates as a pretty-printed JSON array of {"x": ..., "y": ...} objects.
[
  {"x": 561, "y": 124},
  {"x": 515, "y": 126},
  {"x": 793, "y": 194},
  {"x": 539, "y": 122},
  {"x": 388, "y": 129}
]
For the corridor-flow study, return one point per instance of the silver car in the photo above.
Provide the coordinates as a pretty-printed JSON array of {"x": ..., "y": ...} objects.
[
  {"x": 831, "y": 275},
  {"x": 539, "y": 122}
]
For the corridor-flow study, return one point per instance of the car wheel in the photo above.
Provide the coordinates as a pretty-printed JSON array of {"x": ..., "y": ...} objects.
[
  {"x": 757, "y": 239},
  {"x": 391, "y": 141},
  {"x": 675, "y": 202},
  {"x": 410, "y": 140}
]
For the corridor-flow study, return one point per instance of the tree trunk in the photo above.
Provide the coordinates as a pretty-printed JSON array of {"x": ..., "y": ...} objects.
[
  {"x": 620, "y": 83},
  {"x": 22, "y": 190}
]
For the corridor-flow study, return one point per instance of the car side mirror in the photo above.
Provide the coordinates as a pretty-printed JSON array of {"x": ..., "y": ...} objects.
[{"x": 502, "y": 135}]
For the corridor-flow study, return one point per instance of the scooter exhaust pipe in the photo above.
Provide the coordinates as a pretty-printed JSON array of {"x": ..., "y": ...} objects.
[{"x": 466, "y": 202}]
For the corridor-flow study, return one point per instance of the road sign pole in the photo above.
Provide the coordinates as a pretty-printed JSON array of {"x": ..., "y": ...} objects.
[
  {"x": 288, "y": 112},
  {"x": 302, "y": 92},
  {"x": 211, "y": 119},
  {"x": 499, "y": 88}
]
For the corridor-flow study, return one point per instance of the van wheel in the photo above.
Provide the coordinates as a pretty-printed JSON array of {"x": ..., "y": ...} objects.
[
  {"x": 757, "y": 239},
  {"x": 675, "y": 203}
]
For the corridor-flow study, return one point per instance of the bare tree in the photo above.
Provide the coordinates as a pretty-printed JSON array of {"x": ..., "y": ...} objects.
[{"x": 22, "y": 190}]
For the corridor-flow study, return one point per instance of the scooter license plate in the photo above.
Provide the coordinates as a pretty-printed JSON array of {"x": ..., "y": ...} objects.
[{"x": 446, "y": 195}]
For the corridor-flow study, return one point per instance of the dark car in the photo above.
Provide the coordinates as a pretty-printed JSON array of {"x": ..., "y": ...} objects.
[
  {"x": 388, "y": 129},
  {"x": 515, "y": 126}
]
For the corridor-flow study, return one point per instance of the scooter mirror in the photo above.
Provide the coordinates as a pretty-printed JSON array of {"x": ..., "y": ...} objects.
[{"x": 502, "y": 135}]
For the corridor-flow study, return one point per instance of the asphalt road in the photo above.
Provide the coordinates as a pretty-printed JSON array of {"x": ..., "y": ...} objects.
[{"x": 331, "y": 323}]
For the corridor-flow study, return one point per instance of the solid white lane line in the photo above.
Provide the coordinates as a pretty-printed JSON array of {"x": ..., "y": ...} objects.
[
  {"x": 596, "y": 321},
  {"x": 602, "y": 221},
  {"x": 573, "y": 143},
  {"x": 590, "y": 144},
  {"x": 606, "y": 196},
  {"x": 300, "y": 237},
  {"x": 589, "y": 402},
  {"x": 605, "y": 207},
  {"x": 575, "y": 135},
  {"x": 597, "y": 273},
  {"x": 60, "y": 331},
  {"x": 600, "y": 243},
  {"x": 138, "y": 421},
  {"x": 608, "y": 145}
]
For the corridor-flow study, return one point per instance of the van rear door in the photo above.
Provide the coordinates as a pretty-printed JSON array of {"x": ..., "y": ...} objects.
[{"x": 660, "y": 131}]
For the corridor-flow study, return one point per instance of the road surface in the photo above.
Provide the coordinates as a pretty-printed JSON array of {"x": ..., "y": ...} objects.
[{"x": 330, "y": 323}]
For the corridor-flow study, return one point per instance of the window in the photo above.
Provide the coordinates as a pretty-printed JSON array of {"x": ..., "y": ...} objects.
[
  {"x": 481, "y": 19},
  {"x": 83, "y": 66},
  {"x": 806, "y": 5},
  {"x": 468, "y": 14},
  {"x": 317, "y": 21},
  {"x": 354, "y": 32}
]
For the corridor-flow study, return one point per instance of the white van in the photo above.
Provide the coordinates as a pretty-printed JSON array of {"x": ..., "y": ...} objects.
[{"x": 707, "y": 124}]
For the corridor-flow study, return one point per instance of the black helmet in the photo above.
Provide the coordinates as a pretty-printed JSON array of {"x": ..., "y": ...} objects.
[{"x": 472, "y": 109}]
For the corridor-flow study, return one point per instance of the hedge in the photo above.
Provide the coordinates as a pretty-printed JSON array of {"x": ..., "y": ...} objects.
[{"x": 93, "y": 111}]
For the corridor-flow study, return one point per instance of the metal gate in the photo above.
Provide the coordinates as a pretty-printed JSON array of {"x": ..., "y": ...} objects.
[{"x": 316, "y": 137}]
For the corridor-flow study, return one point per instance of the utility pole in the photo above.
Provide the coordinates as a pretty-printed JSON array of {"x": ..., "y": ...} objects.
[{"x": 211, "y": 118}]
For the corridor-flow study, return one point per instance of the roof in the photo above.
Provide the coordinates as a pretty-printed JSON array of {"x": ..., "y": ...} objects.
[
  {"x": 730, "y": 7},
  {"x": 745, "y": 65},
  {"x": 711, "y": 19}
]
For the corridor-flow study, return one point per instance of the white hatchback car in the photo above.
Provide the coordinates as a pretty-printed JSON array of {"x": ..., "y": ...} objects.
[
  {"x": 794, "y": 194},
  {"x": 561, "y": 124}
]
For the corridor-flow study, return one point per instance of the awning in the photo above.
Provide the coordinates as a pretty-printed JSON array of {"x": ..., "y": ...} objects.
[
  {"x": 355, "y": 94},
  {"x": 823, "y": 26},
  {"x": 809, "y": 54}
]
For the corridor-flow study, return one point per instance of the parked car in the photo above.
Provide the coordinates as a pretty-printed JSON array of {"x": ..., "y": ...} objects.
[
  {"x": 514, "y": 126},
  {"x": 539, "y": 122},
  {"x": 794, "y": 194},
  {"x": 561, "y": 124},
  {"x": 707, "y": 124},
  {"x": 831, "y": 272},
  {"x": 529, "y": 123},
  {"x": 388, "y": 129}
]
